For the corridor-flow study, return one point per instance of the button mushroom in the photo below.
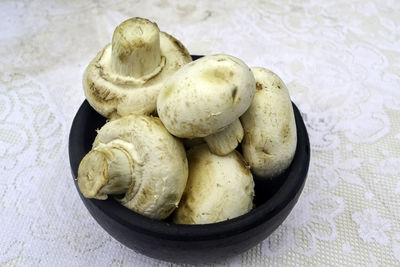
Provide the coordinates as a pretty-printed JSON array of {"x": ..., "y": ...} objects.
[
  {"x": 126, "y": 76},
  {"x": 218, "y": 188},
  {"x": 270, "y": 137},
  {"x": 136, "y": 156},
  {"x": 205, "y": 98}
]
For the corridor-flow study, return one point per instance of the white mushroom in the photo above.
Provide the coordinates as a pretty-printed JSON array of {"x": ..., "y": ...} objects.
[
  {"x": 205, "y": 98},
  {"x": 126, "y": 76},
  {"x": 270, "y": 137},
  {"x": 189, "y": 143},
  {"x": 136, "y": 156},
  {"x": 218, "y": 188}
]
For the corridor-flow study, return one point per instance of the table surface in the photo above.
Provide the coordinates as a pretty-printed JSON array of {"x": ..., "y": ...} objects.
[{"x": 339, "y": 59}]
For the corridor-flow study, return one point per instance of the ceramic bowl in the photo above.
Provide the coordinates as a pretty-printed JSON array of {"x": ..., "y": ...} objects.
[{"x": 274, "y": 199}]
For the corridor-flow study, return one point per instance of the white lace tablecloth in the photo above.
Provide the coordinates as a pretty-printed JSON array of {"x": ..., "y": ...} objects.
[{"x": 339, "y": 59}]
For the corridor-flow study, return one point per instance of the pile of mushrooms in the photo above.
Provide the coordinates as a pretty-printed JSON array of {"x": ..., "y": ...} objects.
[{"x": 170, "y": 145}]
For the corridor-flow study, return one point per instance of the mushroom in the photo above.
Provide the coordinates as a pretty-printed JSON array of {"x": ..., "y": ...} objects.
[
  {"x": 218, "y": 188},
  {"x": 189, "y": 143},
  {"x": 270, "y": 137},
  {"x": 126, "y": 76},
  {"x": 136, "y": 156},
  {"x": 205, "y": 98}
]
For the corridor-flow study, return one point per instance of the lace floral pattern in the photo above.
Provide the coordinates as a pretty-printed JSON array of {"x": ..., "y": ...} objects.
[
  {"x": 339, "y": 59},
  {"x": 310, "y": 221},
  {"x": 372, "y": 227}
]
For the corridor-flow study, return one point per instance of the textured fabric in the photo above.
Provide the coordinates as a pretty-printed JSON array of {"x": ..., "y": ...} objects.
[{"x": 339, "y": 59}]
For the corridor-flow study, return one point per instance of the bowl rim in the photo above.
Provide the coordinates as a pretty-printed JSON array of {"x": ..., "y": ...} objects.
[{"x": 288, "y": 192}]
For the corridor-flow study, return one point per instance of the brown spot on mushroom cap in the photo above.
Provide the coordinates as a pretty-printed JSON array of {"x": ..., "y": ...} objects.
[
  {"x": 216, "y": 75},
  {"x": 259, "y": 86},
  {"x": 166, "y": 92},
  {"x": 285, "y": 132},
  {"x": 234, "y": 94},
  {"x": 220, "y": 75},
  {"x": 265, "y": 151}
]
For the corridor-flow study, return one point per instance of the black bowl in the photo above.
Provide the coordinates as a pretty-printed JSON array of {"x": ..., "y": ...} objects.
[{"x": 192, "y": 243}]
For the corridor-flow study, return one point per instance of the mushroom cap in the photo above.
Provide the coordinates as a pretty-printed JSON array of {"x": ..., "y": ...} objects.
[
  {"x": 160, "y": 167},
  {"x": 205, "y": 96},
  {"x": 218, "y": 188},
  {"x": 115, "y": 95},
  {"x": 270, "y": 136}
]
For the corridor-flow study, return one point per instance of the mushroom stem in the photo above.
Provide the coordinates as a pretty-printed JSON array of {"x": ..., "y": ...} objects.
[
  {"x": 107, "y": 169},
  {"x": 136, "y": 48},
  {"x": 223, "y": 142}
]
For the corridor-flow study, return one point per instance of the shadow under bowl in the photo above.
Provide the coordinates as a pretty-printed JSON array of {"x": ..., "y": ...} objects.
[{"x": 274, "y": 199}]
